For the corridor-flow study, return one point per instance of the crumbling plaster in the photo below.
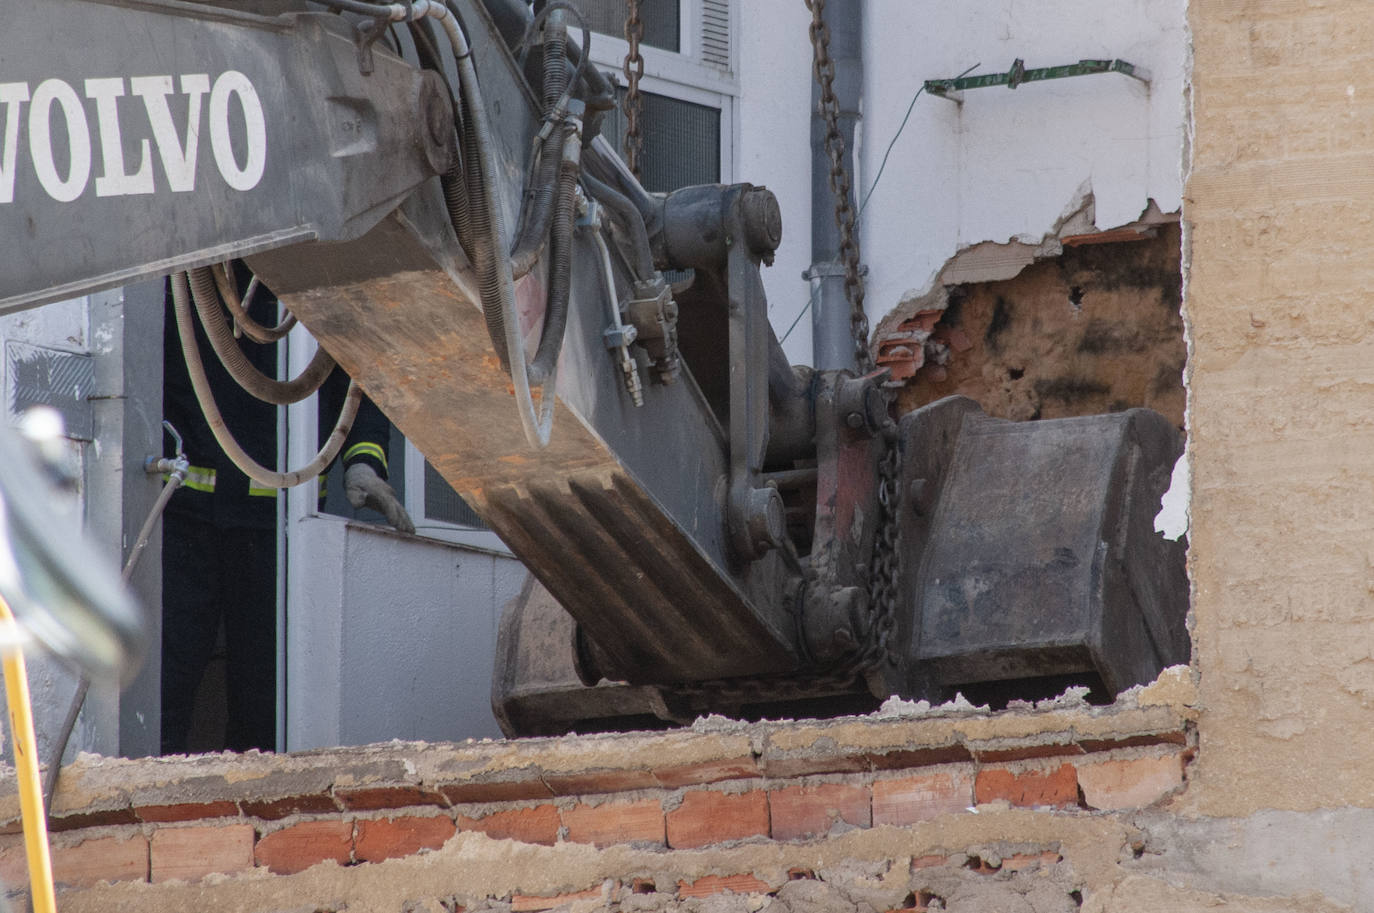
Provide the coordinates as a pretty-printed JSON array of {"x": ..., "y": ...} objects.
[{"x": 1005, "y": 166}]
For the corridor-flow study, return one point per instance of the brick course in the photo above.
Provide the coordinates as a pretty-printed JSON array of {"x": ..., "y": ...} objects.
[
  {"x": 1057, "y": 787},
  {"x": 299, "y": 846},
  {"x": 191, "y": 853},
  {"x": 391, "y": 838},
  {"x": 615, "y": 822},
  {"x": 538, "y": 824},
  {"x": 811, "y": 811},
  {"x": 905, "y": 800},
  {"x": 706, "y": 817}
]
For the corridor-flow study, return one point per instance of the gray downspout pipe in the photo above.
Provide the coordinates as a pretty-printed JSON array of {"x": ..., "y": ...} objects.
[{"x": 831, "y": 339}]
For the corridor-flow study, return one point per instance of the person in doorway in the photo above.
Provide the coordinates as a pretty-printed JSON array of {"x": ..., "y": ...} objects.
[{"x": 219, "y": 541}]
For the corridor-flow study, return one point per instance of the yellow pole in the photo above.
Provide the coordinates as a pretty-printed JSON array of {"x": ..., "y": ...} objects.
[{"x": 26, "y": 767}]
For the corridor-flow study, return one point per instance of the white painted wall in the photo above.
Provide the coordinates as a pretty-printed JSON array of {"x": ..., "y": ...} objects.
[
  {"x": 389, "y": 636},
  {"x": 1005, "y": 165}
]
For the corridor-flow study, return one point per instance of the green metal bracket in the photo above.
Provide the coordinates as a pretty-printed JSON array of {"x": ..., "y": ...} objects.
[{"x": 1018, "y": 74}]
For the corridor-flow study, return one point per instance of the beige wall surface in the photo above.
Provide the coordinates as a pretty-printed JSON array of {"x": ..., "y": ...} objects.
[{"x": 1278, "y": 208}]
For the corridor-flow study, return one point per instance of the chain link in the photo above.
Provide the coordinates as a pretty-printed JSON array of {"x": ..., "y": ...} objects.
[
  {"x": 883, "y": 584},
  {"x": 633, "y": 104},
  {"x": 823, "y": 67},
  {"x": 884, "y": 570}
]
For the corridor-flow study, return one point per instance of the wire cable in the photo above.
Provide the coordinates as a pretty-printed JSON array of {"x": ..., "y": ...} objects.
[
  {"x": 26, "y": 769},
  {"x": 879, "y": 176}
]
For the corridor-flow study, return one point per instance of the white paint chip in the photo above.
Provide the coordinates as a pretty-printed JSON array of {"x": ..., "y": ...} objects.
[{"x": 1172, "y": 519}]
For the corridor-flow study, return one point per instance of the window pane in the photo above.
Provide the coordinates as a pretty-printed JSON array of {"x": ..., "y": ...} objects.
[
  {"x": 681, "y": 141},
  {"x": 662, "y": 21},
  {"x": 443, "y": 503}
]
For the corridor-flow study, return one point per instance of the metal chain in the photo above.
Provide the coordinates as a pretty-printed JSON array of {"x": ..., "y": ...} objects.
[
  {"x": 840, "y": 185},
  {"x": 884, "y": 571},
  {"x": 634, "y": 99},
  {"x": 883, "y": 584}
]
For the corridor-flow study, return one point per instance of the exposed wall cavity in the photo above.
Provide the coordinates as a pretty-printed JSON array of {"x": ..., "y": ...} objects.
[{"x": 1094, "y": 329}]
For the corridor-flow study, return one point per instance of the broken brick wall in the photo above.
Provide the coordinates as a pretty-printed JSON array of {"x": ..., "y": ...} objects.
[
  {"x": 914, "y": 808},
  {"x": 1096, "y": 329}
]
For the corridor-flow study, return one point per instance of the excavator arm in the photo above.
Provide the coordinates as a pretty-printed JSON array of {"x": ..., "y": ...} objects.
[{"x": 422, "y": 185}]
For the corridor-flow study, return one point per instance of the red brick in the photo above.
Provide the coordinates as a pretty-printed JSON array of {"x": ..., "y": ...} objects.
[
  {"x": 706, "y": 772},
  {"x": 925, "y": 862},
  {"x": 907, "y": 800},
  {"x": 86, "y": 863},
  {"x": 905, "y": 759},
  {"x": 382, "y": 798},
  {"x": 716, "y": 884},
  {"x": 163, "y": 814},
  {"x": 391, "y": 838},
  {"x": 105, "y": 859},
  {"x": 600, "y": 781},
  {"x": 528, "y": 903},
  {"x": 1169, "y": 737},
  {"x": 497, "y": 791},
  {"x": 110, "y": 818},
  {"x": 784, "y": 768},
  {"x": 1057, "y": 788},
  {"x": 538, "y": 824},
  {"x": 1018, "y": 861},
  {"x": 191, "y": 853},
  {"x": 1026, "y": 752},
  {"x": 276, "y": 809},
  {"x": 615, "y": 822},
  {"x": 809, "y": 811},
  {"x": 706, "y": 817},
  {"x": 1130, "y": 783},
  {"x": 298, "y": 847}
]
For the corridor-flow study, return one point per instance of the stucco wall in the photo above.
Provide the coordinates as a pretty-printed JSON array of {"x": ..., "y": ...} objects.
[{"x": 1278, "y": 304}]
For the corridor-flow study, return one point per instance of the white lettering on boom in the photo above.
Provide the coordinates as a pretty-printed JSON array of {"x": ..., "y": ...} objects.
[
  {"x": 52, "y": 92},
  {"x": 59, "y": 141}
]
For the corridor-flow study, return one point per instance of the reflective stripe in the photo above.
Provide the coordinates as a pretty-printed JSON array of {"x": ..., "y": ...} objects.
[
  {"x": 366, "y": 448},
  {"x": 257, "y": 491},
  {"x": 197, "y": 477}
]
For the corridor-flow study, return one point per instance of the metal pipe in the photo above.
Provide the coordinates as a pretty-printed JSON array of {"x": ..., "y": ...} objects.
[{"x": 831, "y": 337}]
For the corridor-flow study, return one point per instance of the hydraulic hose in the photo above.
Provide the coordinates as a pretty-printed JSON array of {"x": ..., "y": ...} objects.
[
  {"x": 534, "y": 230},
  {"x": 267, "y": 389},
  {"x": 493, "y": 266},
  {"x": 630, "y": 220},
  {"x": 545, "y": 361},
  {"x": 619, "y": 178},
  {"x": 196, "y": 369},
  {"x": 238, "y": 309}
]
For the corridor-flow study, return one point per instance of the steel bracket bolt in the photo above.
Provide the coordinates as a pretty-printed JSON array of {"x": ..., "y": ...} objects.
[
  {"x": 758, "y": 521},
  {"x": 834, "y": 621},
  {"x": 862, "y": 404},
  {"x": 762, "y": 221}
]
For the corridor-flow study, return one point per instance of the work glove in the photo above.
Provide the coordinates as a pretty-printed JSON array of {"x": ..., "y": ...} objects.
[{"x": 365, "y": 488}]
